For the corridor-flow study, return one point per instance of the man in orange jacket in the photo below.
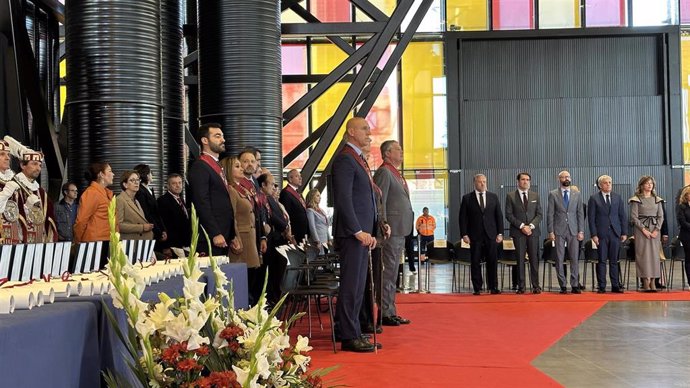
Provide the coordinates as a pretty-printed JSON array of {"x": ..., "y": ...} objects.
[{"x": 425, "y": 226}]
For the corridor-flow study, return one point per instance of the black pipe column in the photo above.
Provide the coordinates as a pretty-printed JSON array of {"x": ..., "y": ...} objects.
[
  {"x": 173, "y": 87},
  {"x": 113, "y": 52},
  {"x": 240, "y": 74}
]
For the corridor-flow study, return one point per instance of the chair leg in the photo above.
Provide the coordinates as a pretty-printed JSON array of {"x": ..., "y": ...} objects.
[{"x": 330, "y": 313}]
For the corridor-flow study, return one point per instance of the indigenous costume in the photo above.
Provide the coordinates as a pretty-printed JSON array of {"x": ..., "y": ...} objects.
[{"x": 9, "y": 212}]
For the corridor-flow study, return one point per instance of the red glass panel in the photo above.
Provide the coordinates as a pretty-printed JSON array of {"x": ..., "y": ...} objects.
[
  {"x": 331, "y": 10},
  {"x": 512, "y": 14},
  {"x": 297, "y": 129}
]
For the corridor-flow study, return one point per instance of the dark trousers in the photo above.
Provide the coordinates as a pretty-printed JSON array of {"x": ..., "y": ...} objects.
[
  {"x": 276, "y": 266},
  {"x": 479, "y": 249},
  {"x": 354, "y": 259},
  {"x": 255, "y": 283},
  {"x": 527, "y": 245},
  {"x": 365, "y": 317},
  {"x": 686, "y": 249},
  {"x": 608, "y": 249}
]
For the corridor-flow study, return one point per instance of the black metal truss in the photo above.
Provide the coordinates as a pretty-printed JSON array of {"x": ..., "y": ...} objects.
[
  {"x": 367, "y": 83},
  {"x": 25, "y": 90}
]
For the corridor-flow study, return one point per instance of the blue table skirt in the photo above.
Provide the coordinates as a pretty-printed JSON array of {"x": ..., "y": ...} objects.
[{"x": 54, "y": 345}]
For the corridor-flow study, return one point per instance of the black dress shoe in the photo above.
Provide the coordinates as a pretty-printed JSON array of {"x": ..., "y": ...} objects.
[
  {"x": 536, "y": 290},
  {"x": 495, "y": 291},
  {"x": 369, "y": 329},
  {"x": 520, "y": 291},
  {"x": 366, "y": 338},
  {"x": 401, "y": 320},
  {"x": 617, "y": 290},
  {"x": 576, "y": 290},
  {"x": 601, "y": 291},
  {"x": 390, "y": 321},
  {"x": 475, "y": 293},
  {"x": 357, "y": 345},
  {"x": 563, "y": 290}
]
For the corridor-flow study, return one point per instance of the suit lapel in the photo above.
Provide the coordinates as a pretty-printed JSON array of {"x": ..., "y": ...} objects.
[{"x": 132, "y": 204}]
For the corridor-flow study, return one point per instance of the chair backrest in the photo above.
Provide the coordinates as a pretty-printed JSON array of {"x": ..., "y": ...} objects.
[
  {"x": 461, "y": 253},
  {"x": 23, "y": 262},
  {"x": 139, "y": 250},
  {"x": 440, "y": 254},
  {"x": 677, "y": 251},
  {"x": 506, "y": 249},
  {"x": 291, "y": 278},
  {"x": 89, "y": 257},
  {"x": 627, "y": 250},
  {"x": 549, "y": 250}
]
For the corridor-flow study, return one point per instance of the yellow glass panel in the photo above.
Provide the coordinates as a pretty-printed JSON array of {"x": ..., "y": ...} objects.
[
  {"x": 423, "y": 104},
  {"x": 325, "y": 57},
  {"x": 289, "y": 16},
  {"x": 386, "y": 6},
  {"x": 467, "y": 15},
  {"x": 685, "y": 84},
  {"x": 63, "y": 89},
  {"x": 559, "y": 13}
]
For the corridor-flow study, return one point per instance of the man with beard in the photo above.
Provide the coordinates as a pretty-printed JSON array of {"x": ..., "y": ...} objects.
[
  {"x": 278, "y": 236},
  {"x": 35, "y": 210},
  {"x": 209, "y": 190},
  {"x": 248, "y": 161},
  {"x": 175, "y": 215}
]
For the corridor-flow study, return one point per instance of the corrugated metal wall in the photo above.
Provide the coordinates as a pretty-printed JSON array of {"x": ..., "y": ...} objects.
[{"x": 592, "y": 105}]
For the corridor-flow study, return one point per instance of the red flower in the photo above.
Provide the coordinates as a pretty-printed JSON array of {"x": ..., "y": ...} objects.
[
  {"x": 188, "y": 364},
  {"x": 231, "y": 332},
  {"x": 234, "y": 346},
  {"x": 202, "y": 351},
  {"x": 226, "y": 379},
  {"x": 315, "y": 381},
  {"x": 170, "y": 355}
]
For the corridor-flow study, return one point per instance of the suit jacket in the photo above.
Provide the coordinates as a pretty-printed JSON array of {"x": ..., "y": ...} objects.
[
  {"x": 516, "y": 214},
  {"x": 683, "y": 216},
  {"x": 396, "y": 207},
  {"x": 278, "y": 222},
  {"x": 297, "y": 212},
  {"x": 601, "y": 216},
  {"x": 148, "y": 203},
  {"x": 562, "y": 221},
  {"x": 477, "y": 224},
  {"x": 178, "y": 224},
  {"x": 353, "y": 200},
  {"x": 212, "y": 201},
  {"x": 131, "y": 219},
  {"x": 318, "y": 226}
]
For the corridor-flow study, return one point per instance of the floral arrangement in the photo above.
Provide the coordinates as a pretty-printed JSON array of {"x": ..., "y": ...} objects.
[{"x": 193, "y": 341}]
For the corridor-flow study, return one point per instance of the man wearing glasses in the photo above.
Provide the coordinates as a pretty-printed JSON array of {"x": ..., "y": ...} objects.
[{"x": 66, "y": 211}]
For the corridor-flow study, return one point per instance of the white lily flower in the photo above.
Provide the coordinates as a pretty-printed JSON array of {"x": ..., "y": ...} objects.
[
  {"x": 193, "y": 289},
  {"x": 195, "y": 341},
  {"x": 302, "y": 361},
  {"x": 145, "y": 327},
  {"x": 302, "y": 344},
  {"x": 177, "y": 329}
]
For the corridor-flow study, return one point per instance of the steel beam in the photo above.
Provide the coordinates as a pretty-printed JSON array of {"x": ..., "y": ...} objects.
[
  {"x": 309, "y": 18},
  {"x": 327, "y": 29},
  {"x": 313, "y": 78},
  {"x": 351, "y": 96}
]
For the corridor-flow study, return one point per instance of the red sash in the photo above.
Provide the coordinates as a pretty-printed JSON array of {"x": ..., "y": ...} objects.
[
  {"x": 295, "y": 194},
  {"x": 397, "y": 175},
  {"x": 215, "y": 166},
  {"x": 360, "y": 160}
]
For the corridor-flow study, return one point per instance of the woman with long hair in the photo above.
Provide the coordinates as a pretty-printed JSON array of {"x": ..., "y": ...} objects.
[
  {"x": 318, "y": 220},
  {"x": 646, "y": 216},
  {"x": 683, "y": 217},
  {"x": 92, "y": 217}
]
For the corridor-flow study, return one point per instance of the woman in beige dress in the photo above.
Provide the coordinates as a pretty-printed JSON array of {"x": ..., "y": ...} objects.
[
  {"x": 130, "y": 216},
  {"x": 243, "y": 208},
  {"x": 647, "y": 215}
]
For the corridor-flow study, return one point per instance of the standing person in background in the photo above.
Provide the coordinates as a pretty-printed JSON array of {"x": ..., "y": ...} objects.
[
  {"x": 425, "y": 225},
  {"x": 565, "y": 222},
  {"x": 66, "y": 211},
  {"x": 291, "y": 198},
  {"x": 147, "y": 200},
  {"x": 10, "y": 219},
  {"x": 481, "y": 226},
  {"x": 647, "y": 216},
  {"x": 397, "y": 212},
  {"x": 92, "y": 218},
  {"x": 524, "y": 214},
  {"x": 130, "y": 216},
  {"x": 175, "y": 215},
  {"x": 274, "y": 262},
  {"x": 683, "y": 217},
  {"x": 607, "y": 223},
  {"x": 318, "y": 221}
]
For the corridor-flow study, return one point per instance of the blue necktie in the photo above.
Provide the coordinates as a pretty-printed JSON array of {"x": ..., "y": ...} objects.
[{"x": 566, "y": 198}]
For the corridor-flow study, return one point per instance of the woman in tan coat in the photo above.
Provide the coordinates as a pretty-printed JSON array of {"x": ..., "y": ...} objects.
[
  {"x": 130, "y": 216},
  {"x": 243, "y": 208}
]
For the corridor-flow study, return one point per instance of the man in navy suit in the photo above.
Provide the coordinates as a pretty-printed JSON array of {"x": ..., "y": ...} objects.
[
  {"x": 481, "y": 226},
  {"x": 210, "y": 194},
  {"x": 607, "y": 223},
  {"x": 354, "y": 221}
]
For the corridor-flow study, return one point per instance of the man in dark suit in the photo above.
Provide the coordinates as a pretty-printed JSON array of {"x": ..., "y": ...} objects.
[
  {"x": 607, "y": 223},
  {"x": 175, "y": 215},
  {"x": 565, "y": 222},
  {"x": 295, "y": 205},
  {"x": 354, "y": 222},
  {"x": 274, "y": 262},
  {"x": 524, "y": 213},
  {"x": 481, "y": 226},
  {"x": 210, "y": 194}
]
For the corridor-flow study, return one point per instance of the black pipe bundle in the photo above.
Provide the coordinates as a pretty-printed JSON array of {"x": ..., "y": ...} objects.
[
  {"x": 114, "y": 107},
  {"x": 172, "y": 18},
  {"x": 240, "y": 74}
]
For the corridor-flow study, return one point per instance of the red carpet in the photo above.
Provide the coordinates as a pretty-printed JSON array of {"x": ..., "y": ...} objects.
[{"x": 462, "y": 340}]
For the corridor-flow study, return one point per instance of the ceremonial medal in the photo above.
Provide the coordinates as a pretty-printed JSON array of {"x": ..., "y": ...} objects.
[{"x": 11, "y": 212}]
